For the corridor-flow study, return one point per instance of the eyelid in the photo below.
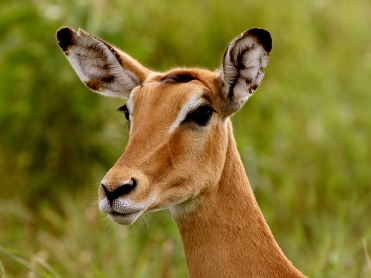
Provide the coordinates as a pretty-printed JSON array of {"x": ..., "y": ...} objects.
[
  {"x": 123, "y": 108},
  {"x": 206, "y": 104},
  {"x": 197, "y": 108}
]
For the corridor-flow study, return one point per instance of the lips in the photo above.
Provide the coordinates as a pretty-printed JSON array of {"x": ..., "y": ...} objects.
[
  {"x": 117, "y": 213},
  {"x": 124, "y": 218},
  {"x": 122, "y": 214},
  {"x": 114, "y": 213},
  {"x": 122, "y": 211}
]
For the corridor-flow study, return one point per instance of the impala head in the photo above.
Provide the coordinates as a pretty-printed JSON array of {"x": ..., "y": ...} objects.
[{"x": 178, "y": 133}]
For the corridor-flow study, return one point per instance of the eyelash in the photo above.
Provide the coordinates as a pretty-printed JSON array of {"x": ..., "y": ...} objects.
[{"x": 125, "y": 110}]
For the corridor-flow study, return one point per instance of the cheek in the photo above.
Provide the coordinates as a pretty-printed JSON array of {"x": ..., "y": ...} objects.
[
  {"x": 197, "y": 162},
  {"x": 213, "y": 158},
  {"x": 198, "y": 156},
  {"x": 187, "y": 149}
]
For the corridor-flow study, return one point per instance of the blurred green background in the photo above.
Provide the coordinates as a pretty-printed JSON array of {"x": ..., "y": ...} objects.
[{"x": 304, "y": 137}]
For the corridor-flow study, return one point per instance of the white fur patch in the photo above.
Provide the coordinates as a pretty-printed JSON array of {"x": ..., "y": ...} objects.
[
  {"x": 191, "y": 104},
  {"x": 130, "y": 107},
  {"x": 182, "y": 208}
]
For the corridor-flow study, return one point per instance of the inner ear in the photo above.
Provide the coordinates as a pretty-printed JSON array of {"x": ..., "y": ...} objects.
[
  {"x": 101, "y": 67},
  {"x": 243, "y": 63}
]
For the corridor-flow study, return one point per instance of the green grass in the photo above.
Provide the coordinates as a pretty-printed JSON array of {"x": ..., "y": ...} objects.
[
  {"x": 72, "y": 239},
  {"x": 304, "y": 137}
]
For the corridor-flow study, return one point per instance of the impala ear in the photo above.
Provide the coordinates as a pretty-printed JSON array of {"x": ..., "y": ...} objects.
[
  {"x": 243, "y": 63},
  {"x": 101, "y": 67}
]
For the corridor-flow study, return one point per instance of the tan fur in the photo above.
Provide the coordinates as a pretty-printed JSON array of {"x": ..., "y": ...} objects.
[{"x": 194, "y": 170}]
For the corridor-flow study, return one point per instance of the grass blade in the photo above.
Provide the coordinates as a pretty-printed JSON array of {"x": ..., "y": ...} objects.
[
  {"x": 367, "y": 255},
  {"x": 22, "y": 262},
  {"x": 2, "y": 270}
]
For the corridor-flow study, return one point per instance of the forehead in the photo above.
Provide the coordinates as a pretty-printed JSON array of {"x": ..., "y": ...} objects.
[{"x": 171, "y": 90}]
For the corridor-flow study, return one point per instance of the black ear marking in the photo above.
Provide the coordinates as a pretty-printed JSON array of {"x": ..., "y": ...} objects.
[
  {"x": 263, "y": 37},
  {"x": 65, "y": 37}
]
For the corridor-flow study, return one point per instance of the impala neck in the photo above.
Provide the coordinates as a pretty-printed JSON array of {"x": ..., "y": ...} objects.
[{"x": 226, "y": 235}]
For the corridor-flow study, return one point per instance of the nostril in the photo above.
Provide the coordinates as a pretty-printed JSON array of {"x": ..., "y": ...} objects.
[
  {"x": 105, "y": 188},
  {"x": 121, "y": 189},
  {"x": 125, "y": 188}
]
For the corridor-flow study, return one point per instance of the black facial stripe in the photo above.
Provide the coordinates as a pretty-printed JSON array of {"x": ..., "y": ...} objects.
[{"x": 178, "y": 78}]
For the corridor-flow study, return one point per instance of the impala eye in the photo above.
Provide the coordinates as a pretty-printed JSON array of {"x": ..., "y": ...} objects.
[
  {"x": 125, "y": 110},
  {"x": 201, "y": 116}
]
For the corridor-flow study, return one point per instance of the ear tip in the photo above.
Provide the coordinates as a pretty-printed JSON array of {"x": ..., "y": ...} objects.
[
  {"x": 263, "y": 36},
  {"x": 65, "y": 37}
]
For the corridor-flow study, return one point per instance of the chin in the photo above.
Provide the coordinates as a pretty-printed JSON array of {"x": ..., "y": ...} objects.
[{"x": 124, "y": 219}]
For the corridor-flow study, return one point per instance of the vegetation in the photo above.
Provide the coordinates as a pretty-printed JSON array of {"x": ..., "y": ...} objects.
[{"x": 304, "y": 137}]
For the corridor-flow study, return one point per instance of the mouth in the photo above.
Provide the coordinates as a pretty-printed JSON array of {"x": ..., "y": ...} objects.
[
  {"x": 124, "y": 218},
  {"x": 114, "y": 213},
  {"x": 121, "y": 211}
]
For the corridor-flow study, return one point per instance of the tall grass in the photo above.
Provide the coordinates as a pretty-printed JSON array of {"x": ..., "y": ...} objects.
[
  {"x": 71, "y": 239},
  {"x": 304, "y": 137}
]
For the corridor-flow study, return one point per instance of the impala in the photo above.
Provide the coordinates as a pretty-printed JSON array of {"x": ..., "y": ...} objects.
[{"x": 181, "y": 153}]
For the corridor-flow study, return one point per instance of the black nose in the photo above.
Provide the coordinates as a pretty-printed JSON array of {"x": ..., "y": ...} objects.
[{"x": 119, "y": 190}]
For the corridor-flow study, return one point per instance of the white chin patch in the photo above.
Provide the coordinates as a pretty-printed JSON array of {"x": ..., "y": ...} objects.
[
  {"x": 124, "y": 219},
  {"x": 121, "y": 211}
]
